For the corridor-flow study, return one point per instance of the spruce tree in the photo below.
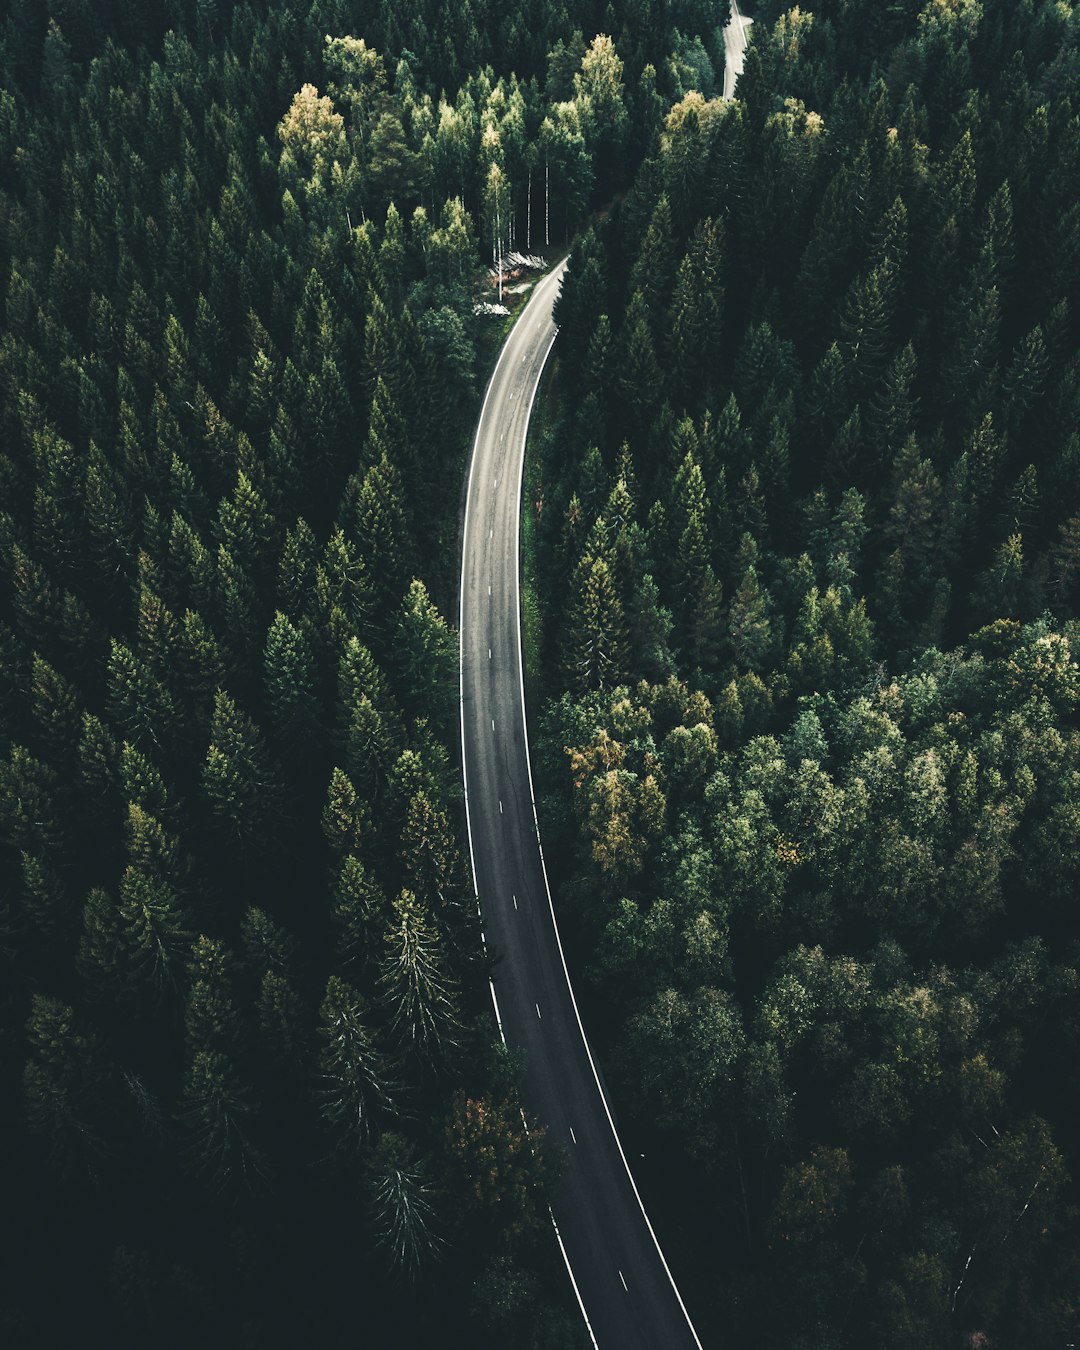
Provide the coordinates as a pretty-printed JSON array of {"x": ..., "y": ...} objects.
[
  {"x": 415, "y": 987},
  {"x": 595, "y": 652},
  {"x": 402, "y": 1201},
  {"x": 353, "y": 1087},
  {"x": 289, "y": 681},
  {"x": 425, "y": 652},
  {"x": 240, "y": 782},
  {"x": 215, "y": 1111},
  {"x": 345, "y": 818},
  {"x": 63, "y": 1084}
]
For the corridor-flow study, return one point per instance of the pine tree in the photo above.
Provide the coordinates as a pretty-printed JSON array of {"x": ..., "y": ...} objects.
[
  {"x": 267, "y": 946},
  {"x": 595, "y": 653},
  {"x": 402, "y": 1208},
  {"x": 289, "y": 680},
  {"x": 237, "y": 603},
  {"x": 55, "y": 707},
  {"x": 157, "y": 630},
  {"x": 63, "y": 1083},
  {"x": 430, "y": 862},
  {"x": 29, "y": 792},
  {"x": 140, "y": 704},
  {"x": 53, "y": 619},
  {"x": 345, "y": 819},
  {"x": 749, "y": 623},
  {"x": 359, "y": 911},
  {"x": 215, "y": 1108},
  {"x": 843, "y": 458},
  {"x": 383, "y": 535},
  {"x": 100, "y": 959},
  {"x": 153, "y": 935},
  {"x": 245, "y": 527},
  {"x": 914, "y": 516},
  {"x": 342, "y": 594},
  {"x": 1065, "y": 566},
  {"x": 240, "y": 782},
  {"x": 296, "y": 571},
  {"x": 970, "y": 355},
  {"x": 700, "y": 597},
  {"x": 864, "y": 328},
  {"x": 211, "y": 1020},
  {"x": 328, "y": 419},
  {"x": 353, "y": 1085},
  {"x": 201, "y": 661},
  {"x": 281, "y": 1019},
  {"x": 12, "y": 679},
  {"x": 44, "y": 895},
  {"x": 369, "y": 746},
  {"x": 358, "y": 676},
  {"x": 191, "y": 564},
  {"x": 425, "y": 652},
  {"x": 1025, "y": 380},
  {"x": 999, "y": 589},
  {"x": 141, "y": 783},
  {"x": 986, "y": 453},
  {"x": 99, "y": 764},
  {"x": 893, "y": 410},
  {"x": 415, "y": 987},
  {"x": 653, "y": 273},
  {"x": 640, "y": 377}
]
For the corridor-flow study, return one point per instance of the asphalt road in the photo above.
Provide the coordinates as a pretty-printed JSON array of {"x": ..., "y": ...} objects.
[
  {"x": 735, "y": 38},
  {"x": 626, "y": 1294}
]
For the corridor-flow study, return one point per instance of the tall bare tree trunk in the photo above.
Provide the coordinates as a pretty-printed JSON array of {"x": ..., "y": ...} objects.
[
  {"x": 498, "y": 237},
  {"x": 547, "y": 203}
]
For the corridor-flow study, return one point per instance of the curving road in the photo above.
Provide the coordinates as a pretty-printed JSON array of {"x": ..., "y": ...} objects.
[
  {"x": 624, "y": 1288},
  {"x": 735, "y": 39}
]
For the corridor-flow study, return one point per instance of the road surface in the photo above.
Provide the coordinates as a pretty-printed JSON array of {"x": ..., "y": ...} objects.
[
  {"x": 622, "y": 1283},
  {"x": 735, "y": 38}
]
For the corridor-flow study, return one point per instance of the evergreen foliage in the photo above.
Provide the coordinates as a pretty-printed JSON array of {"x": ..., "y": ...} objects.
[
  {"x": 241, "y": 246},
  {"x": 817, "y": 863}
]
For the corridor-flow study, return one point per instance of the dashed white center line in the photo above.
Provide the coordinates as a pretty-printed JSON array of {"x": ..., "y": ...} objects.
[
  {"x": 515, "y": 901},
  {"x": 489, "y": 653},
  {"x": 491, "y": 534},
  {"x": 573, "y": 1136},
  {"x": 500, "y": 809},
  {"x": 493, "y": 724},
  {"x": 537, "y": 1007},
  {"x": 489, "y": 590},
  {"x": 623, "y": 1278}
]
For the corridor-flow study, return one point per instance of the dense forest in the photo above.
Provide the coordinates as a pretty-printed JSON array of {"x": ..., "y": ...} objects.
[
  {"x": 250, "y": 1091},
  {"x": 807, "y": 514},
  {"x": 807, "y": 507}
]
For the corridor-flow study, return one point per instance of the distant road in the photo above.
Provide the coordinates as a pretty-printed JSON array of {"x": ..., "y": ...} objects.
[
  {"x": 735, "y": 39},
  {"x": 625, "y": 1291}
]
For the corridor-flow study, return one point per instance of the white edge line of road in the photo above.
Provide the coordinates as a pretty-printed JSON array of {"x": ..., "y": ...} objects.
[
  {"x": 465, "y": 784},
  {"x": 536, "y": 821},
  {"x": 540, "y": 847}
]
